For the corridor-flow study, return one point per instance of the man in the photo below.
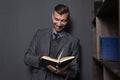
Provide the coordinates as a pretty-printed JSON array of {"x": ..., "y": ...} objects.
[{"x": 45, "y": 43}]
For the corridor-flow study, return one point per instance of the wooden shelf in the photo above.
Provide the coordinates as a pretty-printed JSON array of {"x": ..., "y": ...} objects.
[
  {"x": 109, "y": 8},
  {"x": 111, "y": 66},
  {"x": 106, "y": 22}
]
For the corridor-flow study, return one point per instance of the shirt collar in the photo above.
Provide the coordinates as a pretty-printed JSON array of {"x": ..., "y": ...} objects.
[{"x": 60, "y": 35}]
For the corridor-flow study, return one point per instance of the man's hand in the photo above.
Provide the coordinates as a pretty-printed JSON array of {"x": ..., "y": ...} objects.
[{"x": 58, "y": 70}]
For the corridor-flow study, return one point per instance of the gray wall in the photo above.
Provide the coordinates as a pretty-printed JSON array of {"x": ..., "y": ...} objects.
[{"x": 19, "y": 19}]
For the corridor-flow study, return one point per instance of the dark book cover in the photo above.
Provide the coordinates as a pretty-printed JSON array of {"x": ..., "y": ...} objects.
[
  {"x": 109, "y": 48},
  {"x": 46, "y": 60}
]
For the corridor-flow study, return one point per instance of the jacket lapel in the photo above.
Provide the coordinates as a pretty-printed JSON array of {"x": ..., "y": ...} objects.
[{"x": 47, "y": 42}]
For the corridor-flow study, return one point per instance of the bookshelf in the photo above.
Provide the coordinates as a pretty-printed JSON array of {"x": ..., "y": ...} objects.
[{"x": 106, "y": 22}]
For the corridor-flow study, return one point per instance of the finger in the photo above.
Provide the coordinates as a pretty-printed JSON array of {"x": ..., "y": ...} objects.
[
  {"x": 51, "y": 68},
  {"x": 57, "y": 66}
]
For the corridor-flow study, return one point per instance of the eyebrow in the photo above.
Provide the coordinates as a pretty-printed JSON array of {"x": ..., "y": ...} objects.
[{"x": 59, "y": 19}]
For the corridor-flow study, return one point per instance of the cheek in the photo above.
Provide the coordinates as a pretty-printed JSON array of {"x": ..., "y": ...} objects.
[
  {"x": 54, "y": 22},
  {"x": 65, "y": 23}
]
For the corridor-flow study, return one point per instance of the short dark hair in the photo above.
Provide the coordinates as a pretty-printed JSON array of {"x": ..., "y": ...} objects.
[{"x": 61, "y": 9}]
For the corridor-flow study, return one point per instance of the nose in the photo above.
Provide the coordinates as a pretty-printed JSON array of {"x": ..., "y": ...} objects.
[{"x": 59, "y": 23}]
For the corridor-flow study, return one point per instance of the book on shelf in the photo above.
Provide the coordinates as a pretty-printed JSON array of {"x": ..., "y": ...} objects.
[
  {"x": 109, "y": 48},
  {"x": 46, "y": 60}
]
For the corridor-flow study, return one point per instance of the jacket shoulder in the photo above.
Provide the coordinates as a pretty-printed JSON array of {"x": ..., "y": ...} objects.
[{"x": 71, "y": 37}]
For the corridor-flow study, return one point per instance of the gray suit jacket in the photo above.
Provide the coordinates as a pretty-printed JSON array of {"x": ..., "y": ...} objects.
[{"x": 40, "y": 46}]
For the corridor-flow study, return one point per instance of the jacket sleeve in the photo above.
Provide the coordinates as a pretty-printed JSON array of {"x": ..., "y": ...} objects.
[
  {"x": 30, "y": 57},
  {"x": 74, "y": 70}
]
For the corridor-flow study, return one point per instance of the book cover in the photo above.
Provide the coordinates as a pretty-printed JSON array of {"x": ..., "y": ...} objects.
[
  {"x": 109, "y": 48},
  {"x": 46, "y": 60}
]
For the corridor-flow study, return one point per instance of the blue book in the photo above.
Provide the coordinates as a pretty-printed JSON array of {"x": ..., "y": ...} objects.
[{"x": 109, "y": 48}]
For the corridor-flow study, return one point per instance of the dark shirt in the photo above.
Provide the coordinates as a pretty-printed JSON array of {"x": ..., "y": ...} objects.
[{"x": 54, "y": 43}]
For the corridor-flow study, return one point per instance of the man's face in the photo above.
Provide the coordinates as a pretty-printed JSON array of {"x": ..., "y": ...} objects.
[{"x": 59, "y": 21}]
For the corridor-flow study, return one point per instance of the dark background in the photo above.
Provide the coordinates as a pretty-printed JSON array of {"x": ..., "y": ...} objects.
[{"x": 19, "y": 20}]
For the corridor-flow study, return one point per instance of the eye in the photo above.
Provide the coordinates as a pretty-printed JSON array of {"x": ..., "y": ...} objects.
[
  {"x": 64, "y": 20},
  {"x": 56, "y": 19}
]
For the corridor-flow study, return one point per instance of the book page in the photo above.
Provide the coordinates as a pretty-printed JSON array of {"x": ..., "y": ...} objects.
[
  {"x": 66, "y": 58},
  {"x": 50, "y": 59}
]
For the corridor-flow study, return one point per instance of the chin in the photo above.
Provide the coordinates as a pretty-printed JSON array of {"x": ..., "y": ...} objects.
[{"x": 59, "y": 31}]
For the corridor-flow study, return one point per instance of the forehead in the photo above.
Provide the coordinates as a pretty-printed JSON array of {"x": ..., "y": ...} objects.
[{"x": 61, "y": 16}]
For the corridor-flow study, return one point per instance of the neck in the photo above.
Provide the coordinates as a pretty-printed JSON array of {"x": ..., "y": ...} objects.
[{"x": 55, "y": 31}]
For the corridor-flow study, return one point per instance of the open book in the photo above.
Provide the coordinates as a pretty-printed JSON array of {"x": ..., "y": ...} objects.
[{"x": 46, "y": 60}]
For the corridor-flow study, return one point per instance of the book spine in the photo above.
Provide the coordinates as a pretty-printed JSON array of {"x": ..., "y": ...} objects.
[{"x": 109, "y": 48}]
